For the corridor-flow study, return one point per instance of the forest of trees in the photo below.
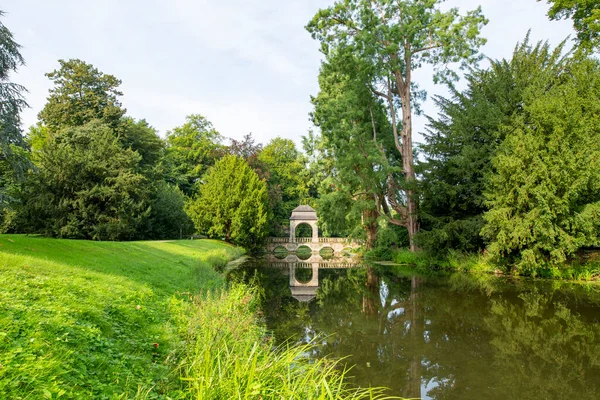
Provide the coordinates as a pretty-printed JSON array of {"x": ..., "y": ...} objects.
[{"x": 510, "y": 165}]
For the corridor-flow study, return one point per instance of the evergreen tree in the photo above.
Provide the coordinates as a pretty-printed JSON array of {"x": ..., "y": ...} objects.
[
  {"x": 461, "y": 142},
  {"x": 81, "y": 93},
  {"x": 13, "y": 155},
  {"x": 86, "y": 186},
  {"x": 232, "y": 204},
  {"x": 544, "y": 194}
]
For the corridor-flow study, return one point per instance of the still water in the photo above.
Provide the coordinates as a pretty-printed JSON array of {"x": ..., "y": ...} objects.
[{"x": 450, "y": 337}]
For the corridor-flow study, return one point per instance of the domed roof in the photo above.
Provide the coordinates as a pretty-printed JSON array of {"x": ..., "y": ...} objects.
[{"x": 304, "y": 213}]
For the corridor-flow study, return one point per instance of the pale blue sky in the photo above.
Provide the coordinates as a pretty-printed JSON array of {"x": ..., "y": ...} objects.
[{"x": 248, "y": 66}]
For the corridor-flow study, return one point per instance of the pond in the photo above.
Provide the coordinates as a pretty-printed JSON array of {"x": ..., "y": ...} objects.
[{"x": 437, "y": 337}]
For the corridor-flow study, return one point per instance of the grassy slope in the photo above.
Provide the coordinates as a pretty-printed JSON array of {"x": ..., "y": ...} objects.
[{"x": 82, "y": 319}]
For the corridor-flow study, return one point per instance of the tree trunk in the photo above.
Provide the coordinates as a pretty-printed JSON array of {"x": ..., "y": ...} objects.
[
  {"x": 370, "y": 226},
  {"x": 412, "y": 223}
]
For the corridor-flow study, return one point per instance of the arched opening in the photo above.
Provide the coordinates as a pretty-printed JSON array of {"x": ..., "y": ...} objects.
[
  {"x": 326, "y": 253},
  {"x": 280, "y": 252},
  {"x": 304, "y": 230},
  {"x": 304, "y": 275},
  {"x": 303, "y": 252}
]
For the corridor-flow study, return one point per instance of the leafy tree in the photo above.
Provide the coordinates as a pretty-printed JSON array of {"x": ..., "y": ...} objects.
[
  {"x": 81, "y": 93},
  {"x": 352, "y": 122},
  {"x": 139, "y": 136},
  {"x": 544, "y": 196},
  {"x": 395, "y": 38},
  {"x": 191, "y": 149},
  {"x": 585, "y": 15},
  {"x": 249, "y": 150},
  {"x": 286, "y": 185},
  {"x": 232, "y": 203},
  {"x": 86, "y": 186},
  {"x": 463, "y": 139},
  {"x": 13, "y": 158},
  {"x": 167, "y": 219}
]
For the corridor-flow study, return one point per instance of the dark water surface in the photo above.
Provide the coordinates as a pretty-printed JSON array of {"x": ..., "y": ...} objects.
[{"x": 453, "y": 337}]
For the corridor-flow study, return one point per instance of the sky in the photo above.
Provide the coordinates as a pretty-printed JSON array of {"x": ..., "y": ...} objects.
[{"x": 247, "y": 66}]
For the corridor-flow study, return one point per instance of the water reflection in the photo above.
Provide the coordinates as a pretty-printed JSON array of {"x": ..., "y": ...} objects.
[{"x": 439, "y": 337}]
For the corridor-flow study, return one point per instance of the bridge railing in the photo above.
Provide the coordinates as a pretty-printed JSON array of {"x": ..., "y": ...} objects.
[{"x": 310, "y": 240}]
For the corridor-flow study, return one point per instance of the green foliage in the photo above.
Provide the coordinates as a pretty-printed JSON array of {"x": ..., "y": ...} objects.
[
  {"x": 79, "y": 318},
  {"x": 544, "y": 196},
  {"x": 463, "y": 139},
  {"x": 167, "y": 219},
  {"x": 81, "y": 93},
  {"x": 286, "y": 185},
  {"x": 392, "y": 39},
  {"x": 85, "y": 186},
  {"x": 139, "y": 136},
  {"x": 354, "y": 129},
  {"x": 231, "y": 358},
  {"x": 13, "y": 159},
  {"x": 232, "y": 203},
  {"x": 585, "y": 15},
  {"x": 191, "y": 149}
]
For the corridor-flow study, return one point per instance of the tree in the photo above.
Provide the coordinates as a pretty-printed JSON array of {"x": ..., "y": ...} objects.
[
  {"x": 250, "y": 152},
  {"x": 167, "y": 219},
  {"x": 139, "y": 136},
  {"x": 464, "y": 138},
  {"x": 353, "y": 125},
  {"x": 191, "y": 149},
  {"x": 544, "y": 195},
  {"x": 13, "y": 160},
  {"x": 585, "y": 15},
  {"x": 286, "y": 185},
  {"x": 395, "y": 38},
  {"x": 86, "y": 186},
  {"x": 232, "y": 203},
  {"x": 81, "y": 93}
]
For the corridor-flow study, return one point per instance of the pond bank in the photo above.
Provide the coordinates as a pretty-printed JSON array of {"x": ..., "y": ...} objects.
[
  {"x": 82, "y": 319},
  {"x": 587, "y": 268}
]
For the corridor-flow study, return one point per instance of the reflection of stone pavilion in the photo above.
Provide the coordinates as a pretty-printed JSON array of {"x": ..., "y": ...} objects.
[{"x": 307, "y": 291}]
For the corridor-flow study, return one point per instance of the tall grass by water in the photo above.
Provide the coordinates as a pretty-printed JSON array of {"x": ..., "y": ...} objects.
[
  {"x": 143, "y": 320},
  {"x": 232, "y": 357}
]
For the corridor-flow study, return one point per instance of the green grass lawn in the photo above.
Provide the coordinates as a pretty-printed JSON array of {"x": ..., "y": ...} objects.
[{"x": 82, "y": 319}]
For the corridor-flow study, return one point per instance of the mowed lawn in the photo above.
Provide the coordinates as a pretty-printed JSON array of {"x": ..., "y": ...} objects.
[{"x": 83, "y": 319}]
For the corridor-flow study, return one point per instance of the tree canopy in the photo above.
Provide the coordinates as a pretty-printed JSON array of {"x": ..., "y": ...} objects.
[
  {"x": 393, "y": 39},
  {"x": 232, "y": 203},
  {"x": 81, "y": 93},
  {"x": 585, "y": 15}
]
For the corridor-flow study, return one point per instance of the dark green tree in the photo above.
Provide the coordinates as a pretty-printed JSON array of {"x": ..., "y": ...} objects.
[
  {"x": 81, "y": 93},
  {"x": 142, "y": 138},
  {"x": 463, "y": 139},
  {"x": 13, "y": 157},
  {"x": 86, "y": 186},
  {"x": 167, "y": 218},
  {"x": 544, "y": 193},
  {"x": 232, "y": 204}
]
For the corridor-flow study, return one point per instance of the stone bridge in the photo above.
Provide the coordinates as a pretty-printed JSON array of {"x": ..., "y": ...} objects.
[{"x": 337, "y": 244}]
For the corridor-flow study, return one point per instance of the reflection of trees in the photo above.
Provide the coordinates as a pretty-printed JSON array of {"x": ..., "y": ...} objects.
[
  {"x": 462, "y": 337},
  {"x": 543, "y": 340}
]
